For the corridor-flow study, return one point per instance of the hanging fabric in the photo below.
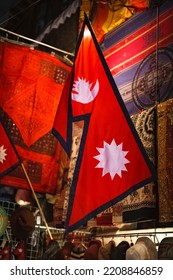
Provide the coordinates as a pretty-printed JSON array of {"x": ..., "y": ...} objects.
[
  {"x": 110, "y": 14},
  {"x": 31, "y": 83}
]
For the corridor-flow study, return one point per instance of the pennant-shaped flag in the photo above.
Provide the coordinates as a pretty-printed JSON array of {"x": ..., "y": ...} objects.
[
  {"x": 9, "y": 158},
  {"x": 112, "y": 161}
]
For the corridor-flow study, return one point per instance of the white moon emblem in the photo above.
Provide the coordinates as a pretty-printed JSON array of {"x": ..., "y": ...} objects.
[{"x": 82, "y": 92}]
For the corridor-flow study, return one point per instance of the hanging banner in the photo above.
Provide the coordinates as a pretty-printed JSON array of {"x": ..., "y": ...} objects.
[{"x": 110, "y": 152}]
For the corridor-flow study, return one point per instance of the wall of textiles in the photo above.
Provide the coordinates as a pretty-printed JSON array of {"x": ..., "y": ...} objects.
[
  {"x": 140, "y": 56},
  {"x": 154, "y": 201}
]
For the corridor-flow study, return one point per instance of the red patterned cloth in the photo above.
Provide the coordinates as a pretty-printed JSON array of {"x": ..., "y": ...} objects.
[
  {"x": 31, "y": 84},
  {"x": 41, "y": 161}
]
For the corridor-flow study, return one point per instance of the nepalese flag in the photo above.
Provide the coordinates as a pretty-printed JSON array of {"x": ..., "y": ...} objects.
[
  {"x": 9, "y": 158},
  {"x": 112, "y": 161}
]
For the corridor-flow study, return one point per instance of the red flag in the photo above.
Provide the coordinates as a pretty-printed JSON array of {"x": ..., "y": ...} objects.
[
  {"x": 9, "y": 158},
  {"x": 112, "y": 161}
]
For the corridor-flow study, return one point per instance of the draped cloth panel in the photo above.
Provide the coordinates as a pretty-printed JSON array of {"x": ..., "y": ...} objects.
[
  {"x": 107, "y": 19},
  {"x": 141, "y": 204},
  {"x": 165, "y": 161},
  {"x": 41, "y": 161},
  {"x": 31, "y": 84}
]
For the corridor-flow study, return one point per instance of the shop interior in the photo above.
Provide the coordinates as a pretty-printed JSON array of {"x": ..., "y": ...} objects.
[{"x": 37, "y": 54}]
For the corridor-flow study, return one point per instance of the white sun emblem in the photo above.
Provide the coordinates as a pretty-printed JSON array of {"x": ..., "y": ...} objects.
[
  {"x": 112, "y": 159},
  {"x": 2, "y": 154}
]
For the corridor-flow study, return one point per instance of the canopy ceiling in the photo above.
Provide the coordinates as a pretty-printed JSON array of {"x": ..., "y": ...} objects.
[{"x": 57, "y": 22}]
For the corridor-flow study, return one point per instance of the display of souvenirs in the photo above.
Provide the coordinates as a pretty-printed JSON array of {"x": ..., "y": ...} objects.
[
  {"x": 141, "y": 204},
  {"x": 165, "y": 160}
]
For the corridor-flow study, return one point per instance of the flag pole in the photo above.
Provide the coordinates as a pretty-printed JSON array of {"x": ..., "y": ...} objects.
[{"x": 36, "y": 199}]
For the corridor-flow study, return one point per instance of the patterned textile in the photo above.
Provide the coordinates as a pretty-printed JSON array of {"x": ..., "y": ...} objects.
[
  {"x": 117, "y": 214},
  {"x": 141, "y": 204},
  {"x": 61, "y": 190},
  {"x": 66, "y": 176},
  {"x": 31, "y": 84},
  {"x": 165, "y": 160},
  {"x": 131, "y": 53},
  {"x": 77, "y": 133},
  {"x": 41, "y": 161}
]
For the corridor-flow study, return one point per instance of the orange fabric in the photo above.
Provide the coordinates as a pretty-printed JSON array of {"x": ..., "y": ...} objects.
[
  {"x": 107, "y": 19},
  {"x": 139, "y": 4},
  {"x": 110, "y": 15},
  {"x": 31, "y": 84},
  {"x": 97, "y": 24}
]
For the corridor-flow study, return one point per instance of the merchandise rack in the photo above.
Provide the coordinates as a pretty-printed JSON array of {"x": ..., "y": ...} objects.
[{"x": 32, "y": 242}]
